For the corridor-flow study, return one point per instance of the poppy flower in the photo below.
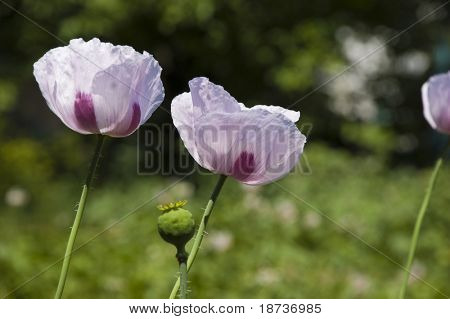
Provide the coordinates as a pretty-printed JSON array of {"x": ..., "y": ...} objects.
[
  {"x": 98, "y": 88},
  {"x": 254, "y": 145},
  {"x": 436, "y": 102}
]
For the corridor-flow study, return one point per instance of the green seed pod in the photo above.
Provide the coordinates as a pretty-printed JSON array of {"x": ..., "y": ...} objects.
[{"x": 176, "y": 225}]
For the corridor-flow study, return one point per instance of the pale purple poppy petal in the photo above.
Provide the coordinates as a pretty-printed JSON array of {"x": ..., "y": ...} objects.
[
  {"x": 426, "y": 106},
  {"x": 208, "y": 97},
  {"x": 294, "y": 116},
  {"x": 89, "y": 58},
  {"x": 129, "y": 124},
  {"x": 53, "y": 74},
  {"x": 111, "y": 93},
  {"x": 147, "y": 89},
  {"x": 255, "y": 146},
  {"x": 436, "y": 102},
  {"x": 216, "y": 139},
  {"x": 286, "y": 146},
  {"x": 183, "y": 119}
]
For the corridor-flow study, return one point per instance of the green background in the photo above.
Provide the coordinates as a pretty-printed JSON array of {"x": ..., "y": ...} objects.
[{"x": 337, "y": 227}]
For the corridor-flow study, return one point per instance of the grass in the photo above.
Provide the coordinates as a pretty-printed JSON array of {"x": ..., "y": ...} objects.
[{"x": 262, "y": 242}]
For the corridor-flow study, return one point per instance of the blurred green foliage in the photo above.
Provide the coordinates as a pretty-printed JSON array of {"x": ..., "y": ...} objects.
[
  {"x": 369, "y": 151},
  {"x": 261, "y": 242}
]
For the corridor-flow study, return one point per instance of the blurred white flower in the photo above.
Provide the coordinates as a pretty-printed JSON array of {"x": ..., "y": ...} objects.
[
  {"x": 249, "y": 188},
  {"x": 220, "y": 241},
  {"x": 370, "y": 52},
  {"x": 312, "y": 220},
  {"x": 182, "y": 190},
  {"x": 267, "y": 276},
  {"x": 419, "y": 270},
  {"x": 413, "y": 63},
  {"x": 113, "y": 284},
  {"x": 360, "y": 283},
  {"x": 351, "y": 95},
  {"x": 286, "y": 211},
  {"x": 16, "y": 197},
  {"x": 252, "y": 201}
]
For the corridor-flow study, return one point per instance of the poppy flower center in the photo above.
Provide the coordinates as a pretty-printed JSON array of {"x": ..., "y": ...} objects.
[
  {"x": 135, "y": 119},
  {"x": 244, "y": 166},
  {"x": 84, "y": 112}
]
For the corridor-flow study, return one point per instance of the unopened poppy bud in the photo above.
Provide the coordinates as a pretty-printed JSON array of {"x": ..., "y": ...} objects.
[{"x": 176, "y": 225}]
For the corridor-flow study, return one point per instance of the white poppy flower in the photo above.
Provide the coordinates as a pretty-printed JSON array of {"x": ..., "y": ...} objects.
[
  {"x": 254, "y": 145},
  {"x": 98, "y": 88}
]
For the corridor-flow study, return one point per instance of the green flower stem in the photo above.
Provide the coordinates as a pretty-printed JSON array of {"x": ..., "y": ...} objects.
[
  {"x": 183, "y": 278},
  {"x": 182, "y": 258},
  {"x": 418, "y": 225},
  {"x": 201, "y": 231},
  {"x": 78, "y": 216}
]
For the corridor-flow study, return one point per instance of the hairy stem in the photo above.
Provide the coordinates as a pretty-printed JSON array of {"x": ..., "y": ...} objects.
[
  {"x": 79, "y": 216},
  {"x": 201, "y": 231},
  {"x": 182, "y": 259}
]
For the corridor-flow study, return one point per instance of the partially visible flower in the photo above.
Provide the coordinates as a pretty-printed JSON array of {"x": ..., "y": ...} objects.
[
  {"x": 98, "y": 88},
  {"x": 436, "y": 102},
  {"x": 254, "y": 145}
]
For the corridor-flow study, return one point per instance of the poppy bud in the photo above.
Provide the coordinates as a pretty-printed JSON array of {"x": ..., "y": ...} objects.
[{"x": 176, "y": 224}]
